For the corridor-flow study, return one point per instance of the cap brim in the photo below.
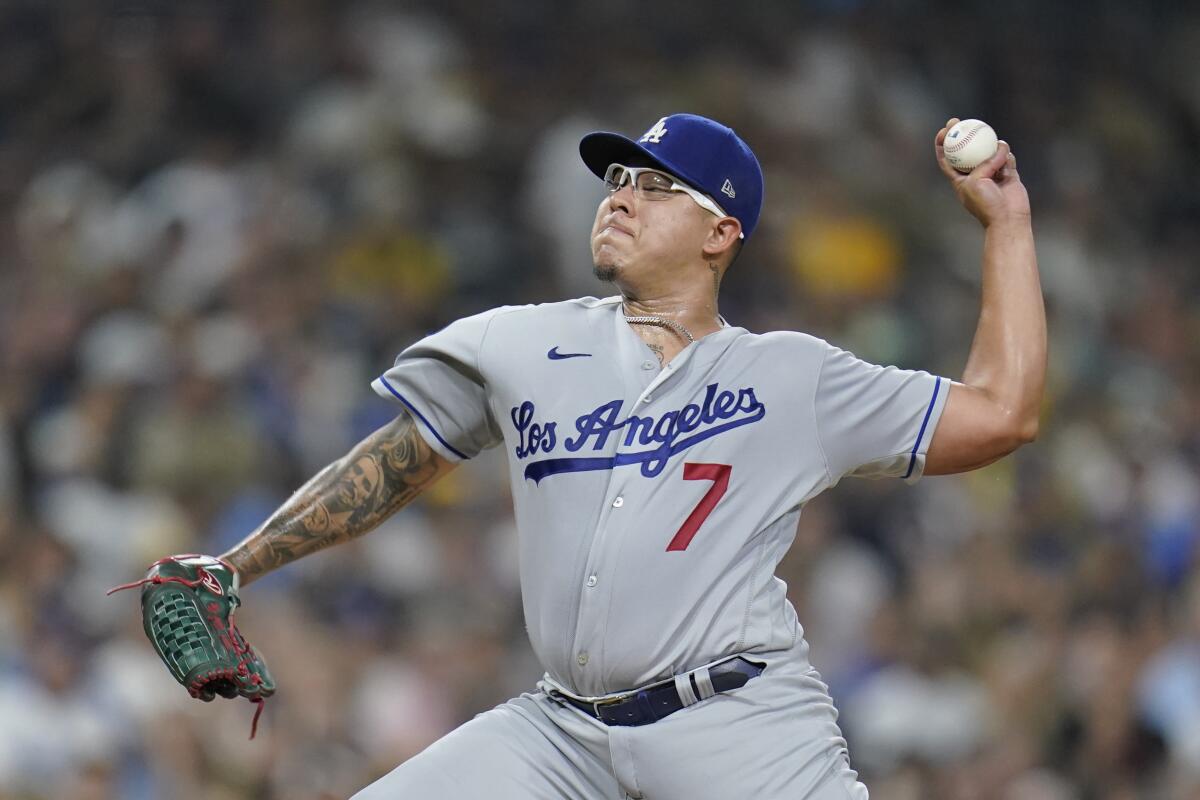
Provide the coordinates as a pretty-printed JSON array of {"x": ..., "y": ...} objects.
[{"x": 601, "y": 149}]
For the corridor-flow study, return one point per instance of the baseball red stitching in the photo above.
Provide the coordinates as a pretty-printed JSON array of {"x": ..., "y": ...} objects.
[{"x": 954, "y": 148}]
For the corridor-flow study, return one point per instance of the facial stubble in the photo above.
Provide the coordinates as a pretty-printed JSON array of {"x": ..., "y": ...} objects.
[{"x": 606, "y": 272}]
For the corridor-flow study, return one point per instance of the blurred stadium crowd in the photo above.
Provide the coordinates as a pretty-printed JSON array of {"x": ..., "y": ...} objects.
[{"x": 221, "y": 220}]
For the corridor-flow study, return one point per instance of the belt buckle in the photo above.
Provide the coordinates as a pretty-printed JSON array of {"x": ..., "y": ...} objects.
[{"x": 609, "y": 701}]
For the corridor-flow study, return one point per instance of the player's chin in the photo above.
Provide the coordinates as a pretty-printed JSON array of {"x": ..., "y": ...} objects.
[
  {"x": 606, "y": 271},
  {"x": 605, "y": 260}
]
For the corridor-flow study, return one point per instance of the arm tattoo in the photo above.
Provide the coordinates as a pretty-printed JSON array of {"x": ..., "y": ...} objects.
[{"x": 348, "y": 498}]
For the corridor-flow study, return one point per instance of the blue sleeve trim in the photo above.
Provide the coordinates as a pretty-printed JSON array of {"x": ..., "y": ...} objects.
[
  {"x": 912, "y": 461},
  {"x": 421, "y": 417}
]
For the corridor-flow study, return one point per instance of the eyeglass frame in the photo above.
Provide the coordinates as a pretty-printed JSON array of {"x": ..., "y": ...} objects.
[{"x": 631, "y": 173}]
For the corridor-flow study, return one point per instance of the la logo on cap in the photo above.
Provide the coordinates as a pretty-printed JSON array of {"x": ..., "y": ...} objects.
[{"x": 655, "y": 134}]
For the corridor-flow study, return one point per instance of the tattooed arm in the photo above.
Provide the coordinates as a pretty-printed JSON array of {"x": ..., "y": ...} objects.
[{"x": 381, "y": 475}]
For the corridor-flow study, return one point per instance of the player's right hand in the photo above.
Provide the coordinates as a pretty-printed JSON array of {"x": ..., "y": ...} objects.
[{"x": 993, "y": 191}]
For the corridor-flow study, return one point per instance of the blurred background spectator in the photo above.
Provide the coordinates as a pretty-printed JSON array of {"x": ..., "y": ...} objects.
[{"x": 222, "y": 219}]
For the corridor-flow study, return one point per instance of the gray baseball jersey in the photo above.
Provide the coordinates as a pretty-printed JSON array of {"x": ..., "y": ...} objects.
[{"x": 653, "y": 504}]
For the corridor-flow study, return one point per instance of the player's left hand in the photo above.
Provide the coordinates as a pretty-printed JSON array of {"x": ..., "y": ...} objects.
[
  {"x": 188, "y": 604},
  {"x": 993, "y": 191}
]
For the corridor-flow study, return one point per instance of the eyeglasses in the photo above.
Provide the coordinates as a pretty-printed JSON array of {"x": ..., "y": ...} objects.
[{"x": 651, "y": 184}]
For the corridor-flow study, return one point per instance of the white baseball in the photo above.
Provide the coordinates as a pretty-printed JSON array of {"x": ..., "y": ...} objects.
[{"x": 969, "y": 143}]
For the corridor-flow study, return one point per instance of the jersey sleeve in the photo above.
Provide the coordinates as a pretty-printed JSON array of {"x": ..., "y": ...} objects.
[
  {"x": 874, "y": 421},
  {"x": 440, "y": 381}
]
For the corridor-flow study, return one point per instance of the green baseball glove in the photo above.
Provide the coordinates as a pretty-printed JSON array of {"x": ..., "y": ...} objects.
[{"x": 187, "y": 610}]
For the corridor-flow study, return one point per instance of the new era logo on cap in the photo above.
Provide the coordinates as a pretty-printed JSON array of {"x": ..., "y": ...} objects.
[{"x": 703, "y": 153}]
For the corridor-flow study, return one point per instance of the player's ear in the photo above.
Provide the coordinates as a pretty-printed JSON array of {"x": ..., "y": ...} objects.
[{"x": 723, "y": 237}]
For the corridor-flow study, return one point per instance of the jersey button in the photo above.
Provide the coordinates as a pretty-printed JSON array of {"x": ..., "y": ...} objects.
[
  {"x": 591, "y": 581},
  {"x": 647, "y": 365},
  {"x": 620, "y": 501},
  {"x": 582, "y": 659}
]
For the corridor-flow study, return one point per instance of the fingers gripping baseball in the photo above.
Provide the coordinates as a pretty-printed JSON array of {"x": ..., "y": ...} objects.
[
  {"x": 940, "y": 152},
  {"x": 992, "y": 190},
  {"x": 1009, "y": 170},
  {"x": 991, "y": 168}
]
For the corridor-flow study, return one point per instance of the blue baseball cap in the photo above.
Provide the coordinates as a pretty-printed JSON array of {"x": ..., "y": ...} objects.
[{"x": 705, "y": 154}]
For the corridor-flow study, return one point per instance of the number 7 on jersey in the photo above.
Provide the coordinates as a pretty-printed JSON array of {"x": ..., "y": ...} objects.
[{"x": 719, "y": 475}]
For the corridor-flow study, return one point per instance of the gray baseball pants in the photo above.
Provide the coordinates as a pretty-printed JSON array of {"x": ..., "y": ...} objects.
[{"x": 775, "y": 737}]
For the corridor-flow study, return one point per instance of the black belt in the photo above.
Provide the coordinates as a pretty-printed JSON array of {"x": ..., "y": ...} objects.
[{"x": 658, "y": 700}]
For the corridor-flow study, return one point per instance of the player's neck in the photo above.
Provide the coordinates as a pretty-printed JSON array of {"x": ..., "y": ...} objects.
[{"x": 693, "y": 309}]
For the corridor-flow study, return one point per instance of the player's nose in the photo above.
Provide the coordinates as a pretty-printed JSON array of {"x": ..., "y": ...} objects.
[{"x": 622, "y": 199}]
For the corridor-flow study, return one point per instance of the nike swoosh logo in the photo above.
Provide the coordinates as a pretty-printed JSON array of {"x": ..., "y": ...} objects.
[{"x": 554, "y": 355}]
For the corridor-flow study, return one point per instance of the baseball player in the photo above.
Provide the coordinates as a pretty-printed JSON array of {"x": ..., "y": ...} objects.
[{"x": 660, "y": 457}]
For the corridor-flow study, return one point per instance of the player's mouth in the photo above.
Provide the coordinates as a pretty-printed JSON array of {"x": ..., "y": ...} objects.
[{"x": 612, "y": 226}]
